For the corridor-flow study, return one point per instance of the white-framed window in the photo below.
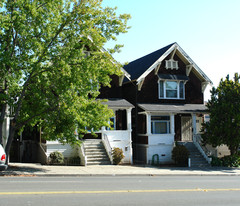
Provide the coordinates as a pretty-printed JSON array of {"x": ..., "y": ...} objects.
[
  {"x": 171, "y": 64},
  {"x": 169, "y": 89},
  {"x": 160, "y": 124},
  {"x": 112, "y": 122}
]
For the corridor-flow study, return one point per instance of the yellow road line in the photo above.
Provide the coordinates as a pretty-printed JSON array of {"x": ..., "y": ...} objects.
[{"x": 119, "y": 191}]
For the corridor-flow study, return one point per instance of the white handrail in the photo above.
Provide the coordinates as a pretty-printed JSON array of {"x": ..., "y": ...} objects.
[
  {"x": 82, "y": 155},
  {"x": 197, "y": 140},
  {"x": 107, "y": 146}
]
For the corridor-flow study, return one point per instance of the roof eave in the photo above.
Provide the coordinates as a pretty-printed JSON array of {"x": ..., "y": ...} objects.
[
  {"x": 162, "y": 57},
  {"x": 155, "y": 64}
]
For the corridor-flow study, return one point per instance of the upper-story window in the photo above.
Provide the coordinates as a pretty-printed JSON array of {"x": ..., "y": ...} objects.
[
  {"x": 171, "y": 64},
  {"x": 169, "y": 89}
]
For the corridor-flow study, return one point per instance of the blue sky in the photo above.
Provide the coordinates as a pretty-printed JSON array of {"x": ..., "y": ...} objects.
[{"x": 208, "y": 31}]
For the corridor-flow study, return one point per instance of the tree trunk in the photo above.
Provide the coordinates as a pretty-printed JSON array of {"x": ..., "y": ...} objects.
[
  {"x": 1, "y": 132},
  {"x": 2, "y": 117},
  {"x": 10, "y": 139}
]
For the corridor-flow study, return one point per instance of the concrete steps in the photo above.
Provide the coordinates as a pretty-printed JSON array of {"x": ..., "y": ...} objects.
[
  {"x": 95, "y": 152},
  {"x": 197, "y": 160}
]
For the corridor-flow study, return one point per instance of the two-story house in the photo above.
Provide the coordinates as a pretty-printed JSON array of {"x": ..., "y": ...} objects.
[
  {"x": 158, "y": 100},
  {"x": 167, "y": 91}
]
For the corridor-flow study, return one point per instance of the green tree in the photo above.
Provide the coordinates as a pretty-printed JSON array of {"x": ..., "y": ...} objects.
[
  {"x": 224, "y": 109},
  {"x": 52, "y": 64}
]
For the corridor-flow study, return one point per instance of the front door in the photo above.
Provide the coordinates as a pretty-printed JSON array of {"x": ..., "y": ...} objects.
[{"x": 186, "y": 125}]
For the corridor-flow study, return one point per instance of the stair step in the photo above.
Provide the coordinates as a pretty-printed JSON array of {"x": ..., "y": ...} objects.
[
  {"x": 92, "y": 149},
  {"x": 96, "y": 153},
  {"x": 197, "y": 160},
  {"x": 99, "y": 163},
  {"x": 97, "y": 159}
]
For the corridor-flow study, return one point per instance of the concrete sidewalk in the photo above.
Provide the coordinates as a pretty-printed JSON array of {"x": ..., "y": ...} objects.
[{"x": 26, "y": 169}]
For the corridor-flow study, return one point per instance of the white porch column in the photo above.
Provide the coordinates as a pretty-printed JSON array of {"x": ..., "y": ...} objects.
[
  {"x": 194, "y": 126},
  {"x": 129, "y": 119},
  {"x": 103, "y": 128},
  {"x": 129, "y": 128},
  {"x": 148, "y": 118},
  {"x": 172, "y": 118}
]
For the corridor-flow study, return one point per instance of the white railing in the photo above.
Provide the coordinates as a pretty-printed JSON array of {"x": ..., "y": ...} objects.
[
  {"x": 42, "y": 154},
  {"x": 83, "y": 157},
  {"x": 118, "y": 135},
  {"x": 197, "y": 140},
  {"x": 107, "y": 146}
]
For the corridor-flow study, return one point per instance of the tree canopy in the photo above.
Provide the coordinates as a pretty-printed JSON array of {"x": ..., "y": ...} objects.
[
  {"x": 53, "y": 63},
  {"x": 224, "y": 109}
]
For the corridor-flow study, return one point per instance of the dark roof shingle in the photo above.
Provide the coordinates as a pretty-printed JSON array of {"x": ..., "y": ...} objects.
[
  {"x": 137, "y": 67},
  {"x": 118, "y": 103}
]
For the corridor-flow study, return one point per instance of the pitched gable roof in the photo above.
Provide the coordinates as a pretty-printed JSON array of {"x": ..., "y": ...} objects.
[
  {"x": 141, "y": 67},
  {"x": 137, "y": 67}
]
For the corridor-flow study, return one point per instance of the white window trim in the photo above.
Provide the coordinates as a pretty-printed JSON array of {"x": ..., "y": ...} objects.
[
  {"x": 113, "y": 127},
  {"x": 164, "y": 89},
  {"x": 170, "y": 64},
  {"x": 167, "y": 121}
]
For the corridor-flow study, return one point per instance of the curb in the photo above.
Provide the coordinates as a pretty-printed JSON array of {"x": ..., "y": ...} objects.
[{"x": 109, "y": 175}]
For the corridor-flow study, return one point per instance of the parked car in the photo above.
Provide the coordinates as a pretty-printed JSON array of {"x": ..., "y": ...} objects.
[{"x": 3, "y": 165}]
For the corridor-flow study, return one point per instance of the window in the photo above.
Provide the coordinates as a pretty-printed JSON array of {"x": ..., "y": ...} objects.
[
  {"x": 171, "y": 89},
  {"x": 171, "y": 64},
  {"x": 112, "y": 122},
  {"x": 160, "y": 124}
]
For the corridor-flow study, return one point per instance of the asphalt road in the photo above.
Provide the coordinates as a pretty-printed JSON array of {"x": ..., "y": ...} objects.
[{"x": 120, "y": 190}]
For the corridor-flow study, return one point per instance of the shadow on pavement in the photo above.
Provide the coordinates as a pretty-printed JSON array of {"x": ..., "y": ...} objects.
[{"x": 23, "y": 171}]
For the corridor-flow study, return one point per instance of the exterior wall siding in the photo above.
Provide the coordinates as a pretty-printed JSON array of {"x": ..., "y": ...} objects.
[
  {"x": 161, "y": 139},
  {"x": 164, "y": 153},
  {"x": 122, "y": 140},
  {"x": 149, "y": 91},
  {"x": 111, "y": 92},
  {"x": 66, "y": 150}
]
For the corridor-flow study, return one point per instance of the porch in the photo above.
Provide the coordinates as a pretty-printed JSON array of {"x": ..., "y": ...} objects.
[
  {"x": 165, "y": 125},
  {"x": 119, "y": 135}
]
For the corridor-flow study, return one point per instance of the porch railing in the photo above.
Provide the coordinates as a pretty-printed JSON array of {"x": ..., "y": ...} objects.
[
  {"x": 107, "y": 146},
  {"x": 197, "y": 140}
]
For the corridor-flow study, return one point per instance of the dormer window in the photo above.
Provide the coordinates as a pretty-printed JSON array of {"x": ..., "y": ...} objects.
[{"x": 171, "y": 64}]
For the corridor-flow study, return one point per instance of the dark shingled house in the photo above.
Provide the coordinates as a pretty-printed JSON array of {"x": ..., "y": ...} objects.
[{"x": 167, "y": 91}]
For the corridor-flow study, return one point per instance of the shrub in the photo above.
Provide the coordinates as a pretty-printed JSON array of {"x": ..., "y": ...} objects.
[
  {"x": 74, "y": 160},
  {"x": 226, "y": 161},
  {"x": 56, "y": 158},
  {"x": 180, "y": 155},
  {"x": 117, "y": 155},
  {"x": 216, "y": 162}
]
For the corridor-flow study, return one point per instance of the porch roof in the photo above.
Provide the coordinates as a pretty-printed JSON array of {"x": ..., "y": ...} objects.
[
  {"x": 118, "y": 103},
  {"x": 174, "y": 108},
  {"x": 173, "y": 77}
]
